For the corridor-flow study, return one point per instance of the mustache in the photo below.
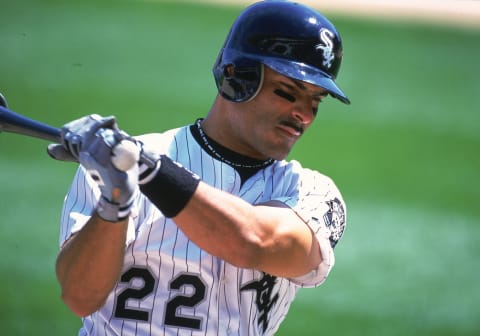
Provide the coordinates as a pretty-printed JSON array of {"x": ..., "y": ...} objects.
[{"x": 293, "y": 124}]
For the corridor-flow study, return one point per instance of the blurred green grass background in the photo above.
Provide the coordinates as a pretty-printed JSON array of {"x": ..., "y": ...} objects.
[{"x": 405, "y": 154}]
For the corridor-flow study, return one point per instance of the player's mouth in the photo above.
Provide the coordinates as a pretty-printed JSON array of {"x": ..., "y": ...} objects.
[{"x": 291, "y": 128}]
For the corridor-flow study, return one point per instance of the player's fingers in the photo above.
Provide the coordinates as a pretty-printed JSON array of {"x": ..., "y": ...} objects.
[{"x": 72, "y": 142}]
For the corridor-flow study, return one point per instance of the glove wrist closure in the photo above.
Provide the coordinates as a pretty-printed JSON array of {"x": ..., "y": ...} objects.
[{"x": 113, "y": 212}]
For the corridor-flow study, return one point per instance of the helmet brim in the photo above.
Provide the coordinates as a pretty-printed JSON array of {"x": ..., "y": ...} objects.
[{"x": 306, "y": 73}]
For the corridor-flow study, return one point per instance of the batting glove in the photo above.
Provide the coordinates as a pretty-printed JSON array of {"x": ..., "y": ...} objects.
[
  {"x": 118, "y": 188},
  {"x": 73, "y": 134}
]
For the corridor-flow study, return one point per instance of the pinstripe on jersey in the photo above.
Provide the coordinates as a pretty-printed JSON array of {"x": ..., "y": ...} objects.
[{"x": 169, "y": 286}]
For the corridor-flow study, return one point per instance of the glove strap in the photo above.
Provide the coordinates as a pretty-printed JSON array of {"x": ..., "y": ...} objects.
[
  {"x": 112, "y": 212},
  {"x": 147, "y": 174}
]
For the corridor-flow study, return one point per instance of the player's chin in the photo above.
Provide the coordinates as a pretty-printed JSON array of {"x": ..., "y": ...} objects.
[
  {"x": 279, "y": 146},
  {"x": 281, "y": 151}
]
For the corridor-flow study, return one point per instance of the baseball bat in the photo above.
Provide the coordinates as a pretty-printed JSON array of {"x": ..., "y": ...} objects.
[{"x": 13, "y": 122}]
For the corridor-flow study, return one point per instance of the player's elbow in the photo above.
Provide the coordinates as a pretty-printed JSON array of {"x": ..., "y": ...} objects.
[
  {"x": 279, "y": 254},
  {"x": 248, "y": 256},
  {"x": 254, "y": 251},
  {"x": 81, "y": 305}
]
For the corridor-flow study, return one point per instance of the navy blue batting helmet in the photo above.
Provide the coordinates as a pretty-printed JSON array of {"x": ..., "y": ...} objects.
[{"x": 290, "y": 38}]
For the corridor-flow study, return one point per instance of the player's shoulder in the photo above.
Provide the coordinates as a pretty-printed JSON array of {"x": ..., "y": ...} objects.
[
  {"x": 163, "y": 139},
  {"x": 295, "y": 168},
  {"x": 292, "y": 174},
  {"x": 159, "y": 136}
]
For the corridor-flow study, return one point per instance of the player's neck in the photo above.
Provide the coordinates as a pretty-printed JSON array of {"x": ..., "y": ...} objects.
[
  {"x": 225, "y": 123},
  {"x": 223, "y": 153},
  {"x": 244, "y": 165}
]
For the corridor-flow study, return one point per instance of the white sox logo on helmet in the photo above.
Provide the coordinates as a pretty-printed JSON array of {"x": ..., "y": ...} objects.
[{"x": 326, "y": 37}]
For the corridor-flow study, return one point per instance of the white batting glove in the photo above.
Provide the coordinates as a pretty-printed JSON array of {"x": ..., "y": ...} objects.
[
  {"x": 118, "y": 188},
  {"x": 74, "y": 133}
]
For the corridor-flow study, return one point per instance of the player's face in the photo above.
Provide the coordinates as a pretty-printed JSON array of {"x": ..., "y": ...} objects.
[{"x": 279, "y": 115}]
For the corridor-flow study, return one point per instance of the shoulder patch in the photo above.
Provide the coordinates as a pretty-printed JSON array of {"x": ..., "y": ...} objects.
[{"x": 335, "y": 220}]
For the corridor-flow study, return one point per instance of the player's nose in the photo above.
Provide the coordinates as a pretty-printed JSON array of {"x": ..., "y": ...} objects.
[{"x": 303, "y": 113}]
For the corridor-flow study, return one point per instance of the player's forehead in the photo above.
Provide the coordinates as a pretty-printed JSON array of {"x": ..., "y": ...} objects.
[{"x": 272, "y": 76}]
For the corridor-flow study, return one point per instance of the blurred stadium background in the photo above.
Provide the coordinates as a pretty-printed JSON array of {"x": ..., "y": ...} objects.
[{"x": 405, "y": 153}]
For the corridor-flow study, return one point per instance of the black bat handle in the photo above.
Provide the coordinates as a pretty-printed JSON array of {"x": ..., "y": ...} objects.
[{"x": 15, "y": 123}]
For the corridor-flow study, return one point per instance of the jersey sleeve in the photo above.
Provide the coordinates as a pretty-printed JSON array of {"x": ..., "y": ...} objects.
[
  {"x": 317, "y": 200},
  {"x": 78, "y": 205}
]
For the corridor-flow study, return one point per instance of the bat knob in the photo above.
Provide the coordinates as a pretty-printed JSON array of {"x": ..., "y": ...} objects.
[
  {"x": 125, "y": 155},
  {"x": 3, "y": 101}
]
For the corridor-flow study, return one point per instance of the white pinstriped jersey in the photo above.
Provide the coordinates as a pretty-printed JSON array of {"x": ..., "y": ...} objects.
[{"x": 169, "y": 286}]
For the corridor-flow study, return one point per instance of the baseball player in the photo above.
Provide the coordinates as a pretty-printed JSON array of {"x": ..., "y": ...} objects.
[{"x": 218, "y": 232}]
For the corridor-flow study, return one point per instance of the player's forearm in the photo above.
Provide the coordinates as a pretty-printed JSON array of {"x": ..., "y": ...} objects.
[
  {"x": 267, "y": 238},
  {"x": 89, "y": 264},
  {"x": 214, "y": 225}
]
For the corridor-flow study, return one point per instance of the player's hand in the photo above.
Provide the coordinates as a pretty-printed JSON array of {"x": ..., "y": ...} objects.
[
  {"x": 117, "y": 187},
  {"x": 74, "y": 133}
]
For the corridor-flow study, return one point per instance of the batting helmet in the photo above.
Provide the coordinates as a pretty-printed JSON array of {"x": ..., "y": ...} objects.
[{"x": 288, "y": 37}]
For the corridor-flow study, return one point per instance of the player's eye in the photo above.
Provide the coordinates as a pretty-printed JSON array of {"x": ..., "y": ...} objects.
[{"x": 285, "y": 95}]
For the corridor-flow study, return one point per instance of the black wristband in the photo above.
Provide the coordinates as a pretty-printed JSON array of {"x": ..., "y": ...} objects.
[{"x": 171, "y": 188}]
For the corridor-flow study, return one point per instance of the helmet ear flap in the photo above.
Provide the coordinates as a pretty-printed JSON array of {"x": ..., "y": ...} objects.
[{"x": 238, "y": 83}]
